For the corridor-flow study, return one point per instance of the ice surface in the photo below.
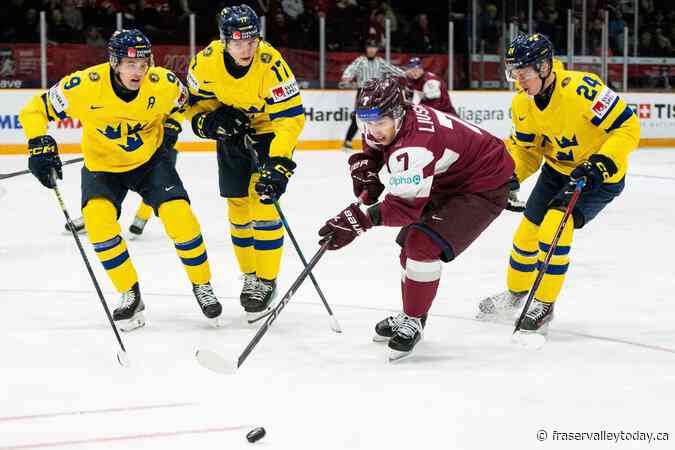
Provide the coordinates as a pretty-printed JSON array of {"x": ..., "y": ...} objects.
[{"x": 609, "y": 363}]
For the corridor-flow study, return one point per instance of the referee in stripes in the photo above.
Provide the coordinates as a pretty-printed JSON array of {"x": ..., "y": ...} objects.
[{"x": 361, "y": 70}]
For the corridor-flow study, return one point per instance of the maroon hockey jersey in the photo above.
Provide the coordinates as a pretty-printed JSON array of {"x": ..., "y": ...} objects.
[
  {"x": 434, "y": 155},
  {"x": 431, "y": 90}
]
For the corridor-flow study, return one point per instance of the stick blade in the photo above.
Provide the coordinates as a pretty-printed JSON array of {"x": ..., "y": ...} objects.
[
  {"x": 215, "y": 362},
  {"x": 123, "y": 358},
  {"x": 334, "y": 325}
]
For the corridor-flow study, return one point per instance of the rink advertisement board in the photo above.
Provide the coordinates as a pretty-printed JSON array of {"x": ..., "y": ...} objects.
[{"x": 328, "y": 112}]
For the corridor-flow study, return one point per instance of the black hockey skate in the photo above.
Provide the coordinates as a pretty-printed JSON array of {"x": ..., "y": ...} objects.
[
  {"x": 250, "y": 283},
  {"x": 500, "y": 306},
  {"x": 78, "y": 223},
  {"x": 407, "y": 335},
  {"x": 385, "y": 328},
  {"x": 538, "y": 317},
  {"x": 260, "y": 303},
  {"x": 129, "y": 314},
  {"x": 534, "y": 326},
  {"x": 137, "y": 226},
  {"x": 208, "y": 302}
]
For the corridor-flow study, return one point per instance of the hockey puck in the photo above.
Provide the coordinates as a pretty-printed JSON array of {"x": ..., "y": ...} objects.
[{"x": 255, "y": 434}]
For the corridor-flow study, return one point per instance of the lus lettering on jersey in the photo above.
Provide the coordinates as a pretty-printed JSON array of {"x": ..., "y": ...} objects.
[{"x": 423, "y": 119}]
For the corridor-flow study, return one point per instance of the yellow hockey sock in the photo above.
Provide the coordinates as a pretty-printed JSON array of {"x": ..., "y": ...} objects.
[
  {"x": 268, "y": 238},
  {"x": 241, "y": 232},
  {"x": 144, "y": 211},
  {"x": 182, "y": 227},
  {"x": 553, "y": 279},
  {"x": 523, "y": 262},
  {"x": 100, "y": 221}
]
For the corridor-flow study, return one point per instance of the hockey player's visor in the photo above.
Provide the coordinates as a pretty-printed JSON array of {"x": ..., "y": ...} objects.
[{"x": 515, "y": 72}]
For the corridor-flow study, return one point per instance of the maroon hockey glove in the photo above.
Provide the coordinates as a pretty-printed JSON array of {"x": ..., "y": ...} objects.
[
  {"x": 365, "y": 178},
  {"x": 344, "y": 227}
]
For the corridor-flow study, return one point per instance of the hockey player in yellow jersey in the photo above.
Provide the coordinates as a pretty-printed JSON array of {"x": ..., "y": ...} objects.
[
  {"x": 130, "y": 113},
  {"x": 580, "y": 128},
  {"x": 241, "y": 86}
]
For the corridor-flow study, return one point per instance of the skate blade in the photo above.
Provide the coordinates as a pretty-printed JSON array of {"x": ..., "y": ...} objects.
[
  {"x": 215, "y": 362},
  {"x": 253, "y": 317},
  {"x": 530, "y": 340},
  {"x": 135, "y": 322},
  {"x": 379, "y": 339},
  {"x": 217, "y": 322},
  {"x": 396, "y": 356}
]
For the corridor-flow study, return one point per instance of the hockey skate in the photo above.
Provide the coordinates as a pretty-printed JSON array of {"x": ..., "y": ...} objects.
[
  {"x": 407, "y": 335},
  {"x": 250, "y": 283},
  {"x": 78, "y": 223},
  {"x": 500, "y": 307},
  {"x": 136, "y": 227},
  {"x": 261, "y": 301},
  {"x": 534, "y": 326},
  {"x": 129, "y": 314},
  {"x": 385, "y": 328},
  {"x": 208, "y": 302}
]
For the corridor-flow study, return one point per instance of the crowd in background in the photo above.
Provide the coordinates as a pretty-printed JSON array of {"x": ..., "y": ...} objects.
[{"x": 293, "y": 23}]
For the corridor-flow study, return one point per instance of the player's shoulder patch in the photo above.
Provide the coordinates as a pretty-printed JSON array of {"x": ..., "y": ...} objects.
[
  {"x": 94, "y": 76},
  {"x": 265, "y": 57},
  {"x": 285, "y": 90},
  {"x": 604, "y": 102},
  {"x": 208, "y": 51},
  {"x": 565, "y": 81},
  {"x": 153, "y": 77}
]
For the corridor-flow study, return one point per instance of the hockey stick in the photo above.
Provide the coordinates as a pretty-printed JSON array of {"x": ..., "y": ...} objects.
[
  {"x": 214, "y": 361},
  {"x": 24, "y": 172},
  {"x": 122, "y": 357},
  {"x": 334, "y": 325},
  {"x": 556, "y": 237}
]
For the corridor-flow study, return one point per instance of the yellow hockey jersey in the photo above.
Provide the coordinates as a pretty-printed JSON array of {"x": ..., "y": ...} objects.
[
  {"x": 583, "y": 117},
  {"x": 268, "y": 93},
  {"x": 117, "y": 136}
]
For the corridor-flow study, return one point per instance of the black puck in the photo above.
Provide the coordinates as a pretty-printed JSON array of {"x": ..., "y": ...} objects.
[{"x": 255, "y": 434}]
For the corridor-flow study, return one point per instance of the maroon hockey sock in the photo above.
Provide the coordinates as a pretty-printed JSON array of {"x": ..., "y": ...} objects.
[{"x": 422, "y": 267}]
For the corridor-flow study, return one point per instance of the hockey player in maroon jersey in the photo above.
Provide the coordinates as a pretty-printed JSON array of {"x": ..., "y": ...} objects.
[
  {"x": 449, "y": 181},
  {"x": 427, "y": 88}
]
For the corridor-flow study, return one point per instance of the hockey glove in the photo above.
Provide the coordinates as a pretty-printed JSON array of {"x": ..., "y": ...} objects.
[
  {"x": 274, "y": 178},
  {"x": 224, "y": 122},
  {"x": 514, "y": 203},
  {"x": 44, "y": 157},
  {"x": 597, "y": 170},
  {"x": 171, "y": 131},
  {"x": 343, "y": 228},
  {"x": 365, "y": 179}
]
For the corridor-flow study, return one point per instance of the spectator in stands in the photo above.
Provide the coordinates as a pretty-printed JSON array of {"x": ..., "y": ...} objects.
[
  {"x": 293, "y": 9},
  {"x": 341, "y": 25},
  {"x": 489, "y": 28},
  {"x": 72, "y": 15},
  {"x": 57, "y": 30},
  {"x": 662, "y": 45},
  {"x": 29, "y": 31},
  {"x": 421, "y": 38},
  {"x": 278, "y": 33},
  {"x": 93, "y": 37},
  {"x": 616, "y": 25},
  {"x": 377, "y": 28},
  {"x": 645, "y": 48}
]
